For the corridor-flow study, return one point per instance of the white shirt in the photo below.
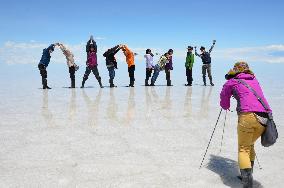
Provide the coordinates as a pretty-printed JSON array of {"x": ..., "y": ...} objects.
[{"x": 149, "y": 61}]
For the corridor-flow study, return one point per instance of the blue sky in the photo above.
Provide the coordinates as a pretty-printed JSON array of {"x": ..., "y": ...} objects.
[
  {"x": 245, "y": 30},
  {"x": 145, "y": 23}
]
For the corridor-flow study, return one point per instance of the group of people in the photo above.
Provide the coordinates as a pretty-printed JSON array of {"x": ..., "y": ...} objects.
[
  {"x": 252, "y": 107},
  {"x": 165, "y": 63}
]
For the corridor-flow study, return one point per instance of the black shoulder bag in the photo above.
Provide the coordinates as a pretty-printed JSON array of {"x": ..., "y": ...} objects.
[{"x": 270, "y": 135}]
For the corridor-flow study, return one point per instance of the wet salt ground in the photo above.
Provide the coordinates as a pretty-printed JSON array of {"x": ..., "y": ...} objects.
[{"x": 126, "y": 137}]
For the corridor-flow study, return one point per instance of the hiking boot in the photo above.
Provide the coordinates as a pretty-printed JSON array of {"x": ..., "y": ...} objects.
[
  {"x": 100, "y": 82},
  {"x": 252, "y": 165},
  {"x": 72, "y": 83},
  {"x": 83, "y": 82},
  {"x": 211, "y": 83},
  {"x": 169, "y": 83},
  {"x": 146, "y": 82},
  {"x": 187, "y": 84},
  {"x": 44, "y": 84},
  {"x": 247, "y": 179},
  {"x": 131, "y": 83},
  {"x": 111, "y": 83}
]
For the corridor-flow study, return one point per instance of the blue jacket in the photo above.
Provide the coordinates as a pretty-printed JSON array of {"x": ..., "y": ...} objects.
[{"x": 45, "y": 58}]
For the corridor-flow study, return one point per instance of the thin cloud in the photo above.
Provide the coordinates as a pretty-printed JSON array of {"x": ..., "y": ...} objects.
[
  {"x": 267, "y": 54},
  {"x": 30, "y": 53}
]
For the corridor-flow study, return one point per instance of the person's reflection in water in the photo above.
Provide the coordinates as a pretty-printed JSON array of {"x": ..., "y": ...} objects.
[
  {"x": 45, "y": 112},
  {"x": 188, "y": 104},
  {"x": 72, "y": 106},
  {"x": 204, "y": 108},
  {"x": 149, "y": 103},
  {"x": 130, "y": 107},
  {"x": 112, "y": 107},
  {"x": 92, "y": 107},
  {"x": 167, "y": 104}
]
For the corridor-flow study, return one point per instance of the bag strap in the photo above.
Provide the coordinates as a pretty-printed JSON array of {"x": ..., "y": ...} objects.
[{"x": 255, "y": 93}]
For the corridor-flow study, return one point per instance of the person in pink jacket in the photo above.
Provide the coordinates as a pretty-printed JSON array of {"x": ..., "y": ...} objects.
[
  {"x": 92, "y": 65},
  {"x": 252, "y": 116}
]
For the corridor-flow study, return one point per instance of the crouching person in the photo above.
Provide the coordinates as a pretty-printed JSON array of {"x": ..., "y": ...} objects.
[
  {"x": 160, "y": 66},
  {"x": 70, "y": 63},
  {"x": 92, "y": 65},
  {"x": 43, "y": 64}
]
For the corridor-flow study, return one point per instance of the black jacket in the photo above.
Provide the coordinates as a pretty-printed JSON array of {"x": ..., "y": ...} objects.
[{"x": 109, "y": 55}]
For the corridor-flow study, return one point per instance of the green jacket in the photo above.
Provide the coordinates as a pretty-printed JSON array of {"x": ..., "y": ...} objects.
[{"x": 189, "y": 60}]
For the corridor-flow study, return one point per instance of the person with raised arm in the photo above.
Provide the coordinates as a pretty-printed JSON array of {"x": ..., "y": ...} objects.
[{"x": 206, "y": 60}]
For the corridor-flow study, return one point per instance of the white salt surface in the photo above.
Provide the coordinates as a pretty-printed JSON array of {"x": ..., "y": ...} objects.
[{"x": 126, "y": 137}]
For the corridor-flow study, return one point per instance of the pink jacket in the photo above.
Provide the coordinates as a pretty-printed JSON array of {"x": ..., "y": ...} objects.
[
  {"x": 92, "y": 59},
  {"x": 247, "y": 101}
]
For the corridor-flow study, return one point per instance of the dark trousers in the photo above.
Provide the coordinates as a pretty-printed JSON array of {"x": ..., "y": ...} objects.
[
  {"x": 131, "y": 71},
  {"x": 168, "y": 74},
  {"x": 42, "y": 70},
  {"x": 207, "y": 67},
  {"x": 111, "y": 72},
  {"x": 148, "y": 73},
  {"x": 72, "y": 72},
  {"x": 189, "y": 76},
  {"x": 94, "y": 70}
]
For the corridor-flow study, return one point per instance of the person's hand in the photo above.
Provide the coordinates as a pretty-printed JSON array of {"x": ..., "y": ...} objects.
[{"x": 214, "y": 41}]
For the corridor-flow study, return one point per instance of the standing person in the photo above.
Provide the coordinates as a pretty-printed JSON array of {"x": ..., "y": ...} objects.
[
  {"x": 70, "y": 63},
  {"x": 91, "y": 43},
  {"x": 252, "y": 116},
  {"x": 189, "y": 65},
  {"x": 160, "y": 66},
  {"x": 169, "y": 68},
  {"x": 149, "y": 65},
  {"x": 111, "y": 62},
  {"x": 206, "y": 60},
  {"x": 130, "y": 62},
  {"x": 92, "y": 65},
  {"x": 43, "y": 64}
]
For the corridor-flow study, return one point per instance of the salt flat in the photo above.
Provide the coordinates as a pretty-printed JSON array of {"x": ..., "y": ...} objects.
[{"x": 126, "y": 137}]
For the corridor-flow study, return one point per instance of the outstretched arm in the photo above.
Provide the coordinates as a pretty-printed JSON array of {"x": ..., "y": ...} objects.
[
  {"x": 214, "y": 41},
  {"x": 196, "y": 52}
]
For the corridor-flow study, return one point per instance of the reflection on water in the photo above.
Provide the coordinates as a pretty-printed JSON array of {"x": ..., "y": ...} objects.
[
  {"x": 92, "y": 107},
  {"x": 148, "y": 103},
  {"x": 72, "y": 106},
  {"x": 130, "y": 114},
  {"x": 45, "y": 112},
  {"x": 187, "y": 103},
  {"x": 204, "y": 105},
  {"x": 112, "y": 107},
  {"x": 167, "y": 104}
]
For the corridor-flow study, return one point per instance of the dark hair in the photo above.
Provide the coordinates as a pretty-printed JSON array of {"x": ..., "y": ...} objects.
[
  {"x": 148, "y": 51},
  {"x": 170, "y": 50},
  {"x": 202, "y": 48}
]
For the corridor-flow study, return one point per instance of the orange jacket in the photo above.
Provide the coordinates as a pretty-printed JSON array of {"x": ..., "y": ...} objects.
[{"x": 129, "y": 56}]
